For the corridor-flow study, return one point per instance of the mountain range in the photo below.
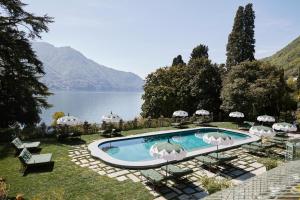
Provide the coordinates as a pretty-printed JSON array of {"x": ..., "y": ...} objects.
[
  {"x": 68, "y": 69},
  {"x": 288, "y": 58}
]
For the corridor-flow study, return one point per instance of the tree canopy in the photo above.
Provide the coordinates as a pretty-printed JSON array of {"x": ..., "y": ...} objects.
[
  {"x": 178, "y": 61},
  {"x": 255, "y": 88},
  {"x": 199, "y": 52},
  {"x": 180, "y": 87},
  {"x": 22, "y": 95}
]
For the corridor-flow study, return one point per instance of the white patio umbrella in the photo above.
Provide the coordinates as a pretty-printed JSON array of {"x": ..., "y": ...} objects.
[
  {"x": 68, "y": 120},
  {"x": 236, "y": 114},
  {"x": 265, "y": 118},
  {"x": 262, "y": 131},
  {"x": 285, "y": 127},
  {"x": 180, "y": 113},
  {"x": 202, "y": 112},
  {"x": 111, "y": 118},
  {"x": 167, "y": 151},
  {"x": 217, "y": 138}
]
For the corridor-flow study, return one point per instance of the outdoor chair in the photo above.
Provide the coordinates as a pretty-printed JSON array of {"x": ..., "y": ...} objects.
[
  {"x": 255, "y": 149},
  {"x": 222, "y": 157},
  {"x": 263, "y": 145},
  {"x": 176, "y": 172},
  {"x": 153, "y": 177},
  {"x": 29, "y": 160},
  {"x": 19, "y": 145},
  {"x": 279, "y": 141},
  {"x": 110, "y": 132},
  {"x": 208, "y": 161},
  {"x": 61, "y": 136}
]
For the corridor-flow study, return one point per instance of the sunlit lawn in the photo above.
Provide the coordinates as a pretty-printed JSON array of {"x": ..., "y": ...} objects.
[{"x": 67, "y": 180}]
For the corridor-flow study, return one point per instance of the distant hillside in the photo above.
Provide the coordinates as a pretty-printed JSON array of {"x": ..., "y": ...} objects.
[
  {"x": 288, "y": 58},
  {"x": 68, "y": 69}
]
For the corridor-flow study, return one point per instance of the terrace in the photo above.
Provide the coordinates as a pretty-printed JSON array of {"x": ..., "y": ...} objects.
[{"x": 76, "y": 174}]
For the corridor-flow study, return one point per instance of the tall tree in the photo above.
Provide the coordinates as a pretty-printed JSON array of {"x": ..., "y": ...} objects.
[
  {"x": 254, "y": 87},
  {"x": 22, "y": 95},
  {"x": 178, "y": 61},
  {"x": 199, "y": 52},
  {"x": 204, "y": 85},
  {"x": 249, "y": 41},
  {"x": 235, "y": 43}
]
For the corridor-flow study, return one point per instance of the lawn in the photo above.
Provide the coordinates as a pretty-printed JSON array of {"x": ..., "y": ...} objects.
[{"x": 67, "y": 180}]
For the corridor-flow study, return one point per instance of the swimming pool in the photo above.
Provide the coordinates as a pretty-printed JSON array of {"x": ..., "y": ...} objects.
[{"x": 133, "y": 151}]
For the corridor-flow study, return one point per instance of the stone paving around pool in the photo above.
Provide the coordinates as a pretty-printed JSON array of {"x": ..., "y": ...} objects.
[{"x": 240, "y": 169}]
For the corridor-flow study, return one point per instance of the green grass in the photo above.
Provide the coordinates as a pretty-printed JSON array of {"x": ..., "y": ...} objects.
[{"x": 67, "y": 180}]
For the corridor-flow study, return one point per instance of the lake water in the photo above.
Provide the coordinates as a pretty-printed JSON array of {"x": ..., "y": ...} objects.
[{"x": 91, "y": 106}]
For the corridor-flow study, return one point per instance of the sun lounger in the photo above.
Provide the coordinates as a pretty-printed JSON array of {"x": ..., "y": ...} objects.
[
  {"x": 176, "y": 172},
  {"x": 62, "y": 136},
  {"x": 246, "y": 125},
  {"x": 264, "y": 145},
  {"x": 153, "y": 176},
  {"x": 178, "y": 125},
  {"x": 208, "y": 161},
  {"x": 19, "y": 145},
  {"x": 222, "y": 157},
  {"x": 254, "y": 149},
  {"x": 279, "y": 141},
  {"x": 28, "y": 160}
]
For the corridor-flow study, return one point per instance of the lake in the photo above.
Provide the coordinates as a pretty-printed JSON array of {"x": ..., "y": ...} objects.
[{"x": 91, "y": 106}]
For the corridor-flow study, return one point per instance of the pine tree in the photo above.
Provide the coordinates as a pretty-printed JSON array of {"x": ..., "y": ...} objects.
[
  {"x": 235, "y": 43},
  {"x": 22, "y": 95},
  {"x": 199, "y": 52},
  {"x": 249, "y": 41},
  {"x": 178, "y": 61}
]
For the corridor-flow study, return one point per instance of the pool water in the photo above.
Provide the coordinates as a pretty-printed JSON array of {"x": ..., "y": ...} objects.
[{"x": 137, "y": 149}]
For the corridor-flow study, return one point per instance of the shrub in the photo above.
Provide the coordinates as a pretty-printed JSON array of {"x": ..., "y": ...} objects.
[
  {"x": 269, "y": 163},
  {"x": 212, "y": 184}
]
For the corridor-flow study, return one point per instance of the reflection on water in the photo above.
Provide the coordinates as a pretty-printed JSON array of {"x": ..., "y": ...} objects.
[{"x": 91, "y": 106}]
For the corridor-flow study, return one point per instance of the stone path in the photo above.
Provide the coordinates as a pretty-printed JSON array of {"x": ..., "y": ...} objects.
[{"x": 240, "y": 169}]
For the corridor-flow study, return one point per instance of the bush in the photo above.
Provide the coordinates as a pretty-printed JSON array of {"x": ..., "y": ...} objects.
[
  {"x": 269, "y": 163},
  {"x": 212, "y": 184}
]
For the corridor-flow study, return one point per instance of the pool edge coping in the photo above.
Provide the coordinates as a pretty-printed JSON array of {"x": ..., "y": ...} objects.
[{"x": 98, "y": 153}]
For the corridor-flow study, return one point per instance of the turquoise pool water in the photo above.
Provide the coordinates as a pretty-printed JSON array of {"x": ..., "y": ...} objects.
[{"x": 137, "y": 149}]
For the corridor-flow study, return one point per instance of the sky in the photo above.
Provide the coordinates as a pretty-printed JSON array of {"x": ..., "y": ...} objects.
[{"x": 140, "y": 35}]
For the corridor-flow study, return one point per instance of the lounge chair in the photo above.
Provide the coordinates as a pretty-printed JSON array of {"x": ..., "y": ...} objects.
[
  {"x": 176, "y": 172},
  {"x": 264, "y": 145},
  {"x": 61, "y": 136},
  {"x": 110, "y": 132},
  {"x": 222, "y": 157},
  {"x": 177, "y": 125},
  {"x": 279, "y": 141},
  {"x": 19, "y": 145},
  {"x": 208, "y": 161},
  {"x": 255, "y": 149},
  {"x": 29, "y": 160},
  {"x": 153, "y": 176}
]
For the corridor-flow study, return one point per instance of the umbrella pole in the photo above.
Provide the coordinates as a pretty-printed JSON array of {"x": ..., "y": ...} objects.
[
  {"x": 167, "y": 168},
  {"x": 217, "y": 151}
]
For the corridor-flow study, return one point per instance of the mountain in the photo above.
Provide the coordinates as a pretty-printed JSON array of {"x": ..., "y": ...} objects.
[
  {"x": 68, "y": 69},
  {"x": 288, "y": 58}
]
